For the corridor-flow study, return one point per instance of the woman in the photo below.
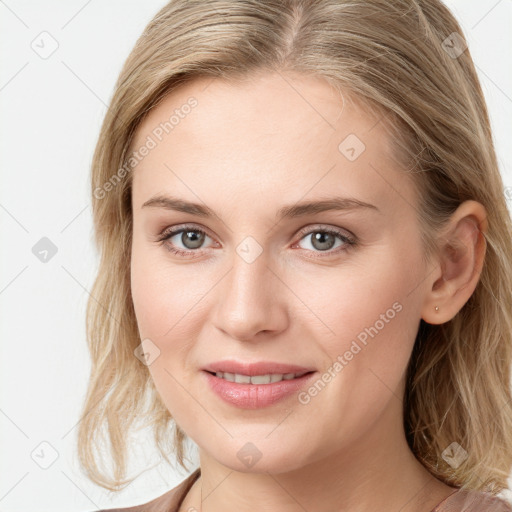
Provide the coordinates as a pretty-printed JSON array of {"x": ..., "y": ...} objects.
[{"x": 305, "y": 261}]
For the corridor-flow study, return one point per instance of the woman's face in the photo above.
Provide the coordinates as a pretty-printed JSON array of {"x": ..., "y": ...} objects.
[{"x": 336, "y": 291}]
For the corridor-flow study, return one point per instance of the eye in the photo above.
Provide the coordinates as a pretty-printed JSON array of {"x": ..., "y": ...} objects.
[
  {"x": 323, "y": 239},
  {"x": 191, "y": 237}
]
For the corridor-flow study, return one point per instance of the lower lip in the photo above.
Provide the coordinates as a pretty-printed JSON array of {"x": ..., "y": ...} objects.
[{"x": 255, "y": 396}]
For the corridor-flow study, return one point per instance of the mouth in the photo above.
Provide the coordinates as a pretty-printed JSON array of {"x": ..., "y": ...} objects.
[
  {"x": 253, "y": 390},
  {"x": 256, "y": 369},
  {"x": 267, "y": 378}
]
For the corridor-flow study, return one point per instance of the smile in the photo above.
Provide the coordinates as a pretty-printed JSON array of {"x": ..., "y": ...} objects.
[{"x": 268, "y": 378}]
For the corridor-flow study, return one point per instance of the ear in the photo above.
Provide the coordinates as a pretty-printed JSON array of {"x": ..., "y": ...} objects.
[{"x": 459, "y": 263}]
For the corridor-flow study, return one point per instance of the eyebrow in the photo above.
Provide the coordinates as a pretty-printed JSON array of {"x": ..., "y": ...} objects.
[{"x": 286, "y": 212}]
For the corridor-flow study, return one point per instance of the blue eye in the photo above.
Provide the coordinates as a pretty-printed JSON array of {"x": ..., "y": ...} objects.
[
  {"x": 324, "y": 239},
  {"x": 192, "y": 238}
]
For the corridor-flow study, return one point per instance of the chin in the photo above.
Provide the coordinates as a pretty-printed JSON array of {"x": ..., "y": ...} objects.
[{"x": 259, "y": 457}]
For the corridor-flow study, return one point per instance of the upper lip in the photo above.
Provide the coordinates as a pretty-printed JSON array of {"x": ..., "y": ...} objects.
[{"x": 258, "y": 368}]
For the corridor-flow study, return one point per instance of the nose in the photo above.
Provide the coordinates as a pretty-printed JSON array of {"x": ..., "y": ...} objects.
[{"x": 251, "y": 300}]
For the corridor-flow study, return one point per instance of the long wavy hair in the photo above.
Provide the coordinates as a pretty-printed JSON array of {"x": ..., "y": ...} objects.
[{"x": 406, "y": 59}]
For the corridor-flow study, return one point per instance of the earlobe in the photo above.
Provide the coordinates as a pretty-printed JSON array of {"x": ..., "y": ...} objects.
[{"x": 460, "y": 259}]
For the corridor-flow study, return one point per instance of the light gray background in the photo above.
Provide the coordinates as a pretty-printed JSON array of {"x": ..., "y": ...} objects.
[{"x": 52, "y": 109}]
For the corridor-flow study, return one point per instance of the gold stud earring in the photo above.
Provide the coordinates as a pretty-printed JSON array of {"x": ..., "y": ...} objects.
[{"x": 436, "y": 308}]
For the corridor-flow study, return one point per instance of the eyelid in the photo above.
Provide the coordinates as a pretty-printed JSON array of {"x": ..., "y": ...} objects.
[
  {"x": 304, "y": 231},
  {"x": 348, "y": 238},
  {"x": 326, "y": 227},
  {"x": 174, "y": 230}
]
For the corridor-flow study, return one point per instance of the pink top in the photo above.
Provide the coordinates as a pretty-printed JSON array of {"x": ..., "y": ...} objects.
[
  {"x": 472, "y": 501},
  {"x": 459, "y": 501}
]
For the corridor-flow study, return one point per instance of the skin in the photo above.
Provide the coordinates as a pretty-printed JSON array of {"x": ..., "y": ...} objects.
[{"x": 246, "y": 150}]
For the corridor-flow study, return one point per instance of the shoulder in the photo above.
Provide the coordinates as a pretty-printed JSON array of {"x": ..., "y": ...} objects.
[
  {"x": 168, "y": 502},
  {"x": 473, "y": 501}
]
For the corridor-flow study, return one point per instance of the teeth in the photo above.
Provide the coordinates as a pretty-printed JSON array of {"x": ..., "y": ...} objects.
[
  {"x": 257, "y": 379},
  {"x": 242, "y": 379}
]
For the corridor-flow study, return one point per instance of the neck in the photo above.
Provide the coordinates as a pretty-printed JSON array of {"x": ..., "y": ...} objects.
[{"x": 376, "y": 472}]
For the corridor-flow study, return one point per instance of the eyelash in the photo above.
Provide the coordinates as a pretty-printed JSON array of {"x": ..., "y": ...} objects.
[{"x": 348, "y": 241}]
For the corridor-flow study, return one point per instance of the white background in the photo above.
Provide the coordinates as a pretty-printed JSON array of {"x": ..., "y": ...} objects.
[{"x": 51, "y": 114}]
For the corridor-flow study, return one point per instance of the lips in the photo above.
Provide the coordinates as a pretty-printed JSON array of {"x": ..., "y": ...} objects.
[
  {"x": 255, "y": 395},
  {"x": 255, "y": 385},
  {"x": 258, "y": 368}
]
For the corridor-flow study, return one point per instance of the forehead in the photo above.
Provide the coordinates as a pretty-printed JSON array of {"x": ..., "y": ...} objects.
[{"x": 271, "y": 133}]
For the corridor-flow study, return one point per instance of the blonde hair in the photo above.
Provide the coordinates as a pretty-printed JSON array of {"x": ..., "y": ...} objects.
[{"x": 391, "y": 56}]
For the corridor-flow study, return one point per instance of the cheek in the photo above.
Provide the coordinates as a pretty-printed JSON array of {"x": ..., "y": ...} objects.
[
  {"x": 160, "y": 291},
  {"x": 170, "y": 302},
  {"x": 164, "y": 300},
  {"x": 365, "y": 314},
  {"x": 373, "y": 319}
]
